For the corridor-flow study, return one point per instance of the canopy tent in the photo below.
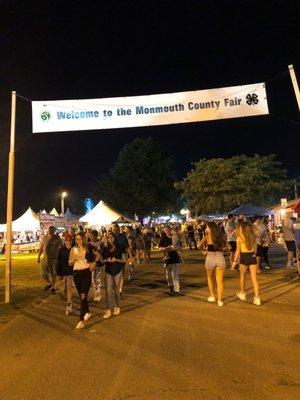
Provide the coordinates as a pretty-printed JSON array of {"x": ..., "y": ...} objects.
[
  {"x": 69, "y": 215},
  {"x": 100, "y": 215},
  {"x": 29, "y": 221},
  {"x": 249, "y": 210},
  {"x": 54, "y": 212},
  {"x": 123, "y": 220}
]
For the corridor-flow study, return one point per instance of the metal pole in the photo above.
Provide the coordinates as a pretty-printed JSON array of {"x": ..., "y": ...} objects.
[
  {"x": 295, "y": 84},
  {"x": 62, "y": 204},
  {"x": 10, "y": 195}
]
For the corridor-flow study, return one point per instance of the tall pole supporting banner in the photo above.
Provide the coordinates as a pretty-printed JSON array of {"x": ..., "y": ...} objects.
[
  {"x": 295, "y": 84},
  {"x": 10, "y": 195}
]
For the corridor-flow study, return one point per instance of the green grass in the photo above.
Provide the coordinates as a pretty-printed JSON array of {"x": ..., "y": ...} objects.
[{"x": 27, "y": 285}]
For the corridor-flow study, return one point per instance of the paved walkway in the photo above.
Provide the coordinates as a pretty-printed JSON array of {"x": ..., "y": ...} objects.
[{"x": 160, "y": 347}]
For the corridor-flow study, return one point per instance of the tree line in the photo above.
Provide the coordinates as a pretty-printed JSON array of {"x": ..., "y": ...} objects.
[{"x": 143, "y": 181}]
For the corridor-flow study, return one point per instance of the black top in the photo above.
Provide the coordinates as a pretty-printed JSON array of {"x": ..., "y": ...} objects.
[
  {"x": 122, "y": 242},
  {"x": 172, "y": 256},
  {"x": 212, "y": 247},
  {"x": 63, "y": 267},
  {"x": 112, "y": 268}
]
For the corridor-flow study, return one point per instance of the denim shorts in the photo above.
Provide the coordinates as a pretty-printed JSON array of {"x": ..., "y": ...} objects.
[{"x": 215, "y": 259}]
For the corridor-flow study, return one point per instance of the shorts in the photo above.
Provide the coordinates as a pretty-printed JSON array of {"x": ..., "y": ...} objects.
[
  {"x": 215, "y": 259},
  {"x": 68, "y": 281},
  {"x": 290, "y": 245},
  {"x": 259, "y": 251},
  {"x": 248, "y": 258},
  {"x": 232, "y": 246}
]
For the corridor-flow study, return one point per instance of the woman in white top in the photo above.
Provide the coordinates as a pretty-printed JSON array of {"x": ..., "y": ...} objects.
[{"x": 83, "y": 260}]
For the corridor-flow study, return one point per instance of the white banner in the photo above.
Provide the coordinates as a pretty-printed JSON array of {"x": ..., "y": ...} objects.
[{"x": 157, "y": 109}]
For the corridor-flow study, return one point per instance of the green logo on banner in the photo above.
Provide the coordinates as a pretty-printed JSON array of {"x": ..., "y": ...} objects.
[{"x": 45, "y": 116}]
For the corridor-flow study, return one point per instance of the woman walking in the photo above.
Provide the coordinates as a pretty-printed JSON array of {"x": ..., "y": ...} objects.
[
  {"x": 65, "y": 271},
  {"x": 246, "y": 254},
  {"x": 82, "y": 258},
  {"x": 112, "y": 257},
  {"x": 215, "y": 263},
  {"x": 171, "y": 260},
  {"x": 131, "y": 256}
]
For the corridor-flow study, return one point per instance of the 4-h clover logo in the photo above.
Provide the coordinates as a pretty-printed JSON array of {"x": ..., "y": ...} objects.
[
  {"x": 252, "y": 99},
  {"x": 45, "y": 116}
]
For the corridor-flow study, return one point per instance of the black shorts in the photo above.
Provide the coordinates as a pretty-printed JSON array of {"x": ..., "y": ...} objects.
[
  {"x": 248, "y": 258},
  {"x": 232, "y": 246},
  {"x": 259, "y": 250},
  {"x": 290, "y": 245}
]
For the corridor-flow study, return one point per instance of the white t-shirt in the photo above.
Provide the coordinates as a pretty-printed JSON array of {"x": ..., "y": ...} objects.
[
  {"x": 79, "y": 257},
  {"x": 287, "y": 229}
]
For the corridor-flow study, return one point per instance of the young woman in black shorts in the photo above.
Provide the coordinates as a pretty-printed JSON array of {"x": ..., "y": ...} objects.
[{"x": 245, "y": 255}]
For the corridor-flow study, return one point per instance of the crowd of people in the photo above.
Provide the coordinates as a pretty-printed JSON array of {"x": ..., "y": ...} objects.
[{"x": 92, "y": 259}]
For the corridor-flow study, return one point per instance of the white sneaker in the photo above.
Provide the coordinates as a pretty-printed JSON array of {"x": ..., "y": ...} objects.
[
  {"x": 97, "y": 298},
  {"x": 220, "y": 303},
  {"x": 80, "y": 325},
  {"x": 241, "y": 295},
  {"x": 256, "y": 301},
  {"x": 117, "y": 310},
  {"x": 69, "y": 310},
  {"x": 87, "y": 316},
  {"x": 211, "y": 299},
  {"x": 107, "y": 314}
]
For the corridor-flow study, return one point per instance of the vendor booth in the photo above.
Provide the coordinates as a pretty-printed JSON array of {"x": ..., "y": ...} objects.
[
  {"x": 29, "y": 221},
  {"x": 250, "y": 210},
  {"x": 100, "y": 215},
  {"x": 25, "y": 230}
]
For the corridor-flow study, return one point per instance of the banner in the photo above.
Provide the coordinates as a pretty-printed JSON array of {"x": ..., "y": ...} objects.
[{"x": 157, "y": 109}]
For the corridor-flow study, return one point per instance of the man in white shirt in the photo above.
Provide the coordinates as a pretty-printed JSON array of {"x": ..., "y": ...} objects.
[{"x": 289, "y": 238}]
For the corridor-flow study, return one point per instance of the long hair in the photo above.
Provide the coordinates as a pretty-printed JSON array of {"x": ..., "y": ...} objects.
[
  {"x": 115, "y": 244},
  {"x": 217, "y": 235},
  {"x": 82, "y": 235},
  {"x": 245, "y": 231}
]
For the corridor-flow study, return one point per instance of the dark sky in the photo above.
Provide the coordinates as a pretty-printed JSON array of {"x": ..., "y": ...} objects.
[{"x": 93, "y": 49}]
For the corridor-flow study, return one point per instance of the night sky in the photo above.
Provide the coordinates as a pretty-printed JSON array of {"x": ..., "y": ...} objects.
[{"x": 89, "y": 49}]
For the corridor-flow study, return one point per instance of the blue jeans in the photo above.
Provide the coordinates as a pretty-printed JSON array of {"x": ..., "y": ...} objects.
[{"x": 112, "y": 290}]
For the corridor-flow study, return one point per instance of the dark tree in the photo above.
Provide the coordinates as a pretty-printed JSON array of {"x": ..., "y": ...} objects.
[
  {"x": 219, "y": 185},
  {"x": 141, "y": 181}
]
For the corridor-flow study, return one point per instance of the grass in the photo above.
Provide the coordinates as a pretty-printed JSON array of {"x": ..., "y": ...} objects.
[{"x": 27, "y": 285}]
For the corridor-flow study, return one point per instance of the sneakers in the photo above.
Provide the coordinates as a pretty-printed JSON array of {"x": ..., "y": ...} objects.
[
  {"x": 116, "y": 311},
  {"x": 107, "y": 314},
  {"x": 80, "y": 325},
  {"x": 211, "y": 299},
  {"x": 87, "y": 316},
  {"x": 256, "y": 301},
  {"x": 69, "y": 310},
  {"x": 220, "y": 303},
  {"x": 241, "y": 295},
  {"x": 176, "y": 294},
  {"x": 52, "y": 291},
  {"x": 97, "y": 298}
]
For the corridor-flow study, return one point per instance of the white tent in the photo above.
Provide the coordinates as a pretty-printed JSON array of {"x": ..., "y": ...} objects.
[
  {"x": 54, "y": 212},
  {"x": 100, "y": 215},
  {"x": 29, "y": 221}
]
